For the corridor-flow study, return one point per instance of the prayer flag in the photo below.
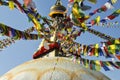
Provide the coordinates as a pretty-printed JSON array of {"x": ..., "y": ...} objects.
[
  {"x": 109, "y": 5},
  {"x": 97, "y": 65},
  {"x": 96, "y": 50},
  {"x": 93, "y": 1},
  {"x": 27, "y": 2},
  {"x": 113, "y": 1},
  {"x": 11, "y": 5}
]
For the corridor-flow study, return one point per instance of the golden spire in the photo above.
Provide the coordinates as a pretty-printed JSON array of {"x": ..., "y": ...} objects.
[{"x": 57, "y": 10}]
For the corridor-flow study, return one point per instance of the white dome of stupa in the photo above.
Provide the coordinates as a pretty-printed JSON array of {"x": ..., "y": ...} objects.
[{"x": 56, "y": 68}]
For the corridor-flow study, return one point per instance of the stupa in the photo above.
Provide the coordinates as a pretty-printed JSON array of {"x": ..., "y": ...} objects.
[{"x": 52, "y": 66}]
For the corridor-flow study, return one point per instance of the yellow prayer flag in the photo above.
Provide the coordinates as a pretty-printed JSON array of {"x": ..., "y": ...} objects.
[
  {"x": 96, "y": 45},
  {"x": 11, "y": 5},
  {"x": 83, "y": 25},
  {"x": 118, "y": 11},
  {"x": 113, "y": 1},
  {"x": 93, "y": 1},
  {"x": 38, "y": 26},
  {"x": 117, "y": 41},
  {"x": 30, "y": 16},
  {"x": 98, "y": 20},
  {"x": 75, "y": 12},
  {"x": 107, "y": 63},
  {"x": 96, "y": 49},
  {"x": 112, "y": 46},
  {"x": 112, "y": 49},
  {"x": 97, "y": 63},
  {"x": 87, "y": 16}
]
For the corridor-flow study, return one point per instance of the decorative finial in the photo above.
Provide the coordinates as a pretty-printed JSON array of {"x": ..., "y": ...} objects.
[
  {"x": 58, "y": 2},
  {"x": 57, "y": 10}
]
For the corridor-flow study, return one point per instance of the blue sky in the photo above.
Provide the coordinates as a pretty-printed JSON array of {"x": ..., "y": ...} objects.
[{"x": 22, "y": 50}]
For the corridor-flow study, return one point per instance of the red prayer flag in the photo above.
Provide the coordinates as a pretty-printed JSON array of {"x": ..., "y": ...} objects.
[
  {"x": 104, "y": 8},
  {"x": 70, "y": 1},
  {"x": 93, "y": 22},
  {"x": 111, "y": 17}
]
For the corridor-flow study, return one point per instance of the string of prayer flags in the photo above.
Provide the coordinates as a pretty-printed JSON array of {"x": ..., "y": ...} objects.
[
  {"x": 115, "y": 41},
  {"x": 31, "y": 13},
  {"x": 98, "y": 65},
  {"x": 103, "y": 49},
  {"x": 99, "y": 34},
  {"x": 103, "y": 8},
  {"x": 19, "y": 6},
  {"x": 113, "y": 15},
  {"x": 106, "y": 50},
  {"x": 102, "y": 22},
  {"x": 34, "y": 17},
  {"x": 109, "y": 24},
  {"x": 5, "y": 43},
  {"x": 16, "y": 34},
  {"x": 31, "y": 29}
]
